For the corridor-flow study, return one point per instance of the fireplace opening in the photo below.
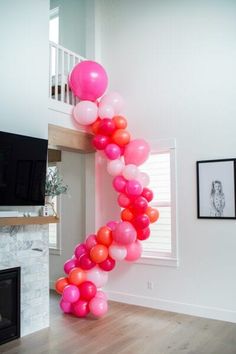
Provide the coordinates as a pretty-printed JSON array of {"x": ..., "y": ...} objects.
[{"x": 9, "y": 304}]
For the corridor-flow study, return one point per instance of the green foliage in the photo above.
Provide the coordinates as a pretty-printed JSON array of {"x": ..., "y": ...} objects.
[{"x": 54, "y": 183}]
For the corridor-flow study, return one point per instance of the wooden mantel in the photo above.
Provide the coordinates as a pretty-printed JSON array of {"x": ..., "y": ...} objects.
[{"x": 32, "y": 220}]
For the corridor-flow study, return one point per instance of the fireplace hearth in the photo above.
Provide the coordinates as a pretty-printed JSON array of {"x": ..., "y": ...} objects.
[{"x": 9, "y": 304}]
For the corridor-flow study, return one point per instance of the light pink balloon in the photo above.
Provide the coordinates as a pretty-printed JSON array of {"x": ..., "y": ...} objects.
[
  {"x": 98, "y": 306},
  {"x": 134, "y": 251},
  {"x": 115, "y": 100},
  {"x": 143, "y": 179},
  {"x": 97, "y": 276},
  {"x": 130, "y": 171},
  {"x": 85, "y": 112},
  {"x": 115, "y": 167},
  {"x": 91, "y": 241},
  {"x": 88, "y": 80},
  {"x": 136, "y": 152},
  {"x": 117, "y": 252},
  {"x": 101, "y": 295},
  {"x": 105, "y": 111},
  {"x": 124, "y": 233},
  {"x": 65, "y": 306}
]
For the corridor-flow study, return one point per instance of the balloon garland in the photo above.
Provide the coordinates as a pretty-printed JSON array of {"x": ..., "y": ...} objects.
[{"x": 87, "y": 270}]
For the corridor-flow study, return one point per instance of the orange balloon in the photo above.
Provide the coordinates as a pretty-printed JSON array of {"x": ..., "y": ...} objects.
[
  {"x": 104, "y": 236},
  {"x": 120, "y": 122},
  {"x": 95, "y": 125},
  {"x": 60, "y": 284},
  {"x": 121, "y": 137},
  {"x": 153, "y": 214},
  {"x": 77, "y": 276},
  {"x": 127, "y": 215},
  {"x": 98, "y": 253}
]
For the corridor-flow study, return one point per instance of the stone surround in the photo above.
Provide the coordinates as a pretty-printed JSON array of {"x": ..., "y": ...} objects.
[{"x": 27, "y": 247}]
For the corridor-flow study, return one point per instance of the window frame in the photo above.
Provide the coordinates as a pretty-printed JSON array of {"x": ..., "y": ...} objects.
[
  {"x": 58, "y": 249},
  {"x": 162, "y": 146}
]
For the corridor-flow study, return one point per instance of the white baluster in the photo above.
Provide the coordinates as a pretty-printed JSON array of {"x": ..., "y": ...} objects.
[
  {"x": 63, "y": 83},
  {"x": 56, "y": 73}
]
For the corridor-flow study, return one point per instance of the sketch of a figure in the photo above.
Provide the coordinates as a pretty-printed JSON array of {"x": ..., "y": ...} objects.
[{"x": 217, "y": 199}]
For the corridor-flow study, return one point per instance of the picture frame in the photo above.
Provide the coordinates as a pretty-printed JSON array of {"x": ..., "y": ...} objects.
[{"x": 216, "y": 189}]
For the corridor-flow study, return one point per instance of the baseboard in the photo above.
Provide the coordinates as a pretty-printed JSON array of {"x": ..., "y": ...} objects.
[{"x": 185, "y": 308}]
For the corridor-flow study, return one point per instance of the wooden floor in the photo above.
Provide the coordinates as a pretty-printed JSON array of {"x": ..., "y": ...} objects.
[{"x": 130, "y": 330}]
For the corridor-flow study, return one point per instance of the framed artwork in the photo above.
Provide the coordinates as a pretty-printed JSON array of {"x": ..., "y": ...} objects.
[{"x": 216, "y": 192}]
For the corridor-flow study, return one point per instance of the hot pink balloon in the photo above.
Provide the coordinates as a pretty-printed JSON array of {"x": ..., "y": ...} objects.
[
  {"x": 140, "y": 204},
  {"x": 124, "y": 233},
  {"x": 88, "y": 80},
  {"x": 115, "y": 167},
  {"x": 91, "y": 241},
  {"x": 134, "y": 251},
  {"x": 115, "y": 100},
  {"x": 133, "y": 188},
  {"x": 119, "y": 183},
  {"x": 112, "y": 151},
  {"x": 85, "y": 112},
  {"x": 98, "y": 306},
  {"x": 70, "y": 264},
  {"x": 108, "y": 264},
  {"x": 80, "y": 308},
  {"x": 85, "y": 262},
  {"x": 65, "y": 306},
  {"x": 70, "y": 293},
  {"x": 136, "y": 152},
  {"x": 80, "y": 249}
]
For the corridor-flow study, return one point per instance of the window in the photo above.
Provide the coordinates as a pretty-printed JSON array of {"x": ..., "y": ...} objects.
[
  {"x": 161, "y": 246},
  {"x": 54, "y": 229}
]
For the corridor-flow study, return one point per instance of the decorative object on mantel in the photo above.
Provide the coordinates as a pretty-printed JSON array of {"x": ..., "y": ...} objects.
[
  {"x": 216, "y": 191},
  {"x": 54, "y": 186}
]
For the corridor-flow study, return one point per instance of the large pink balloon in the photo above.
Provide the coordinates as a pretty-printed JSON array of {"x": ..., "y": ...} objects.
[
  {"x": 136, "y": 152},
  {"x": 124, "y": 233},
  {"x": 134, "y": 251},
  {"x": 88, "y": 80},
  {"x": 98, "y": 306},
  {"x": 85, "y": 112}
]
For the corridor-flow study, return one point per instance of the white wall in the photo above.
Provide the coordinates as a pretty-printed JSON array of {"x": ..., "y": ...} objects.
[
  {"x": 174, "y": 63},
  {"x": 24, "y": 66},
  {"x": 72, "y": 168}
]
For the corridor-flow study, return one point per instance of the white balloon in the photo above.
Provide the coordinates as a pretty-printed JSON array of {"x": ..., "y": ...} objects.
[
  {"x": 130, "y": 172},
  {"x": 85, "y": 112},
  {"x": 97, "y": 276},
  {"x": 143, "y": 179},
  {"x": 115, "y": 100},
  {"x": 105, "y": 111},
  {"x": 117, "y": 252},
  {"x": 115, "y": 167}
]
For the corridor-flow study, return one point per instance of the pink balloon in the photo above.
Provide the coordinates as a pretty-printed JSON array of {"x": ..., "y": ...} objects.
[
  {"x": 134, "y": 251},
  {"x": 136, "y": 152},
  {"x": 112, "y": 224},
  {"x": 70, "y": 293},
  {"x": 85, "y": 262},
  {"x": 124, "y": 233},
  {"x": 80, "y": 249},
  {"x": 80, "y": 308},
  {"x": 100, "y": 141},
  {"x": 91, "y": 241},
  {"x": 97, "y": 276},
  {"x": 101, "y": 295},
  {"x": 115, "y": 167},
  {"x": 85, "y": 112},
  {"x": 88, "y": 80},
  {"x": 98, "y": 306},
  {"x": 133, "y": 188},
  {"x": 117, "y": 252},
  {"x": 141, "y": 221},
  {"x": 115, "y": 100},
  {"x": 65, "y": 306},
  {"x": 123, "y": 200},
  {"x": 108, "y": 264},
  {"x": 70, "y": 264},
  {"x": 140, "y": 204},
  {"x": 112, "y": 151},
  {"x": 119, "y": 183},
  {"x": 130, "y": 172},
  {"x": 87, "y": 290},
  {"x": 106, "y": 127},
  {"x": 105, "y": 111}
]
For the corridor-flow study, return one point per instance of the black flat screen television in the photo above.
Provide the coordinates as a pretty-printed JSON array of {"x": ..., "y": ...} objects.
[{"x": 23, "y": 164}]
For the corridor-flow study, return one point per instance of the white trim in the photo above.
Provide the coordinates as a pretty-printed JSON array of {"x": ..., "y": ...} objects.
[
  {"x": 54, "y": 13},
  {"x": 58, "y": 106},
  {"x": 162, "y": 145},
  {"x": 174, "y": 306},
  {"x": 158, "y": 261},
  {"x": 55, "y": 251}
]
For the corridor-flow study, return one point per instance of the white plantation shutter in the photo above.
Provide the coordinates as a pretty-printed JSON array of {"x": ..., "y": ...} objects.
[{"x": 159, "y": 170}]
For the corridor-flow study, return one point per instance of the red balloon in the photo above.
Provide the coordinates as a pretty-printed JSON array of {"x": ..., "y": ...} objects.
[
  {"x": 87, "y": 290},
  {"x": 108, "y": 264},
  {"x": 80, "y": 308},
  {"x": 127, "y": 215},
  {"x": 100, "y": 141},
  {"x": 106, "y": 126},
  {"x": 143, "y": 234},
  {"x": 95, "y": 125},
  {"x": 140, "y": 205},
  {"x": 123, "y": 200},
  {"x": 147, "y": 194},
  {"x": 141, "y": 221},
  {"x": 86, "y": 262}
]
